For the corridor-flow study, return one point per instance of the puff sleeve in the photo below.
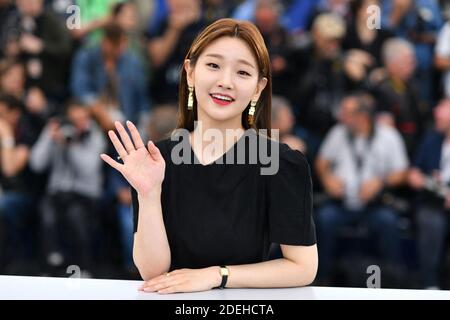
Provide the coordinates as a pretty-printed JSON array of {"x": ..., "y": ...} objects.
[{"x": 290, "y": 203}]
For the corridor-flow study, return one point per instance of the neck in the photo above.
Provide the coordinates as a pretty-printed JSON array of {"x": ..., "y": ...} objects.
[
  {"x": 207, "y": 129},
  {"x": 365, "y": 129},
  {"x": 397, "y": 79}
]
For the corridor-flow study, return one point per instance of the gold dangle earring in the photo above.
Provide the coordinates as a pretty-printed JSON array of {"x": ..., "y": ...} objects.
[
  {"x": 251, "y": 112},
  {"x": 190, "y": 104}
]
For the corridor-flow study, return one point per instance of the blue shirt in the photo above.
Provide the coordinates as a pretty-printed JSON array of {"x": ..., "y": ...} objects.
[
  {"x": 89, "y": 80},
  {"x": 428, "y": 154}
]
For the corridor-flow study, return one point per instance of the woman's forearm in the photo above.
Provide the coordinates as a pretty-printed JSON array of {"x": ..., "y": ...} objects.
[
  {"x": 159, "y": 49},
  {"x": 276, "y": 273},
  {"x": 151, "y": 250}
]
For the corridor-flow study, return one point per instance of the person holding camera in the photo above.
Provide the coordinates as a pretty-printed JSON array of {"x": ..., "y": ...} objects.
[
  {"x": 16, "y": 181},
  {"x": 357, "y": 161},
  {"x": 37, "y": 37},
  {"x": 69, "y": 149},
  {"x": 110, "y": 80},
  {"x": 430, "y": 176}
]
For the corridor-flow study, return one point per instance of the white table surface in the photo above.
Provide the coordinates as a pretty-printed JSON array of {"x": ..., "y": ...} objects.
[{"x": 43, "y": 288}]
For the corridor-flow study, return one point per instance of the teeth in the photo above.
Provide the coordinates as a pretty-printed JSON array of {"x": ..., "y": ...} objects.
[{"x": 220, "y": 97}]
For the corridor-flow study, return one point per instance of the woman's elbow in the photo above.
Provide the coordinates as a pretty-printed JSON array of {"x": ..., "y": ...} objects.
[
  {"x": 148, "y": 271},
  {"x": 308, "y": 270},
  {"x": 310, "y": 274}
]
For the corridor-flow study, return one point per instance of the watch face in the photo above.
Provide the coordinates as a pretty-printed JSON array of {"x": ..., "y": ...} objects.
[{"x": 224, "y": 271}]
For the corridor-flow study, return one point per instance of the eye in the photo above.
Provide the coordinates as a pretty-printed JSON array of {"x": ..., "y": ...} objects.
[
  {"x": 213, "y": 65},
  {"x": 244, "y": 73}
]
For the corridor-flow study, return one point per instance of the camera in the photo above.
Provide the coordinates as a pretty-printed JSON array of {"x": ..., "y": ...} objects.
[{"x": 67, "y": 130}]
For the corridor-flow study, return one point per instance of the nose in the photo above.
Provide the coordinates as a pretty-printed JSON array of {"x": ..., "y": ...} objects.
[{"x": 226, "y": 80}]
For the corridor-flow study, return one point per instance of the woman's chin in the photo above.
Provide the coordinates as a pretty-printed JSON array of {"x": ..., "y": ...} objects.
[{"x": 222, "y": 115}]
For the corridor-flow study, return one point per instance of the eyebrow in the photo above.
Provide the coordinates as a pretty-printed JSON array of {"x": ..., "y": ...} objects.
[{"x": 219, "y": 56}]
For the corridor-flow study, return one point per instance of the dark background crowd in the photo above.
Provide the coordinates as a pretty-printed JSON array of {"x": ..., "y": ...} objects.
[{"x": 362, "y": 87}]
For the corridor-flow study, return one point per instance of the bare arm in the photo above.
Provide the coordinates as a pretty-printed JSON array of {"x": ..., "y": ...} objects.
[
  {"x": 332, "y": 184},
  {"x": 144, "y": 168},
  {"x": 159, "y": 49},
  {"x": 298, "y": 267},
  {"x": 442, "y": 63},
  {"x": 323, "y": 168},
  {"x": 13, "y": 157},
  {"x": 89, "y": 27},
  {"x": 399, "y": 10},
  {"x": 101, "y": 115},
  {"x": 396, "y": 179},
  {"x": 151, "y": 250}
]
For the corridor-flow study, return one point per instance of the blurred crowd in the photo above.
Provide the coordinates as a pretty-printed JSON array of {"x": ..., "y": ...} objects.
[{"x": 362, "y": 87}]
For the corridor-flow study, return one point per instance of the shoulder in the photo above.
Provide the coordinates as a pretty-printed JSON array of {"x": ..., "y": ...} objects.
[
  {"x": 432, "y": 138},
  {"x": 389, "y": 140},
  {"x": 387, "y": 132},
  {"x": 337, "y": 132},
  {"x": 290, "y": 161},
  {"x": 446, "y": 29},
  {"x": 293, "y": 156}
]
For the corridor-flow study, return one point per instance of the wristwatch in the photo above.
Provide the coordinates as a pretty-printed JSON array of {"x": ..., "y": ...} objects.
[{"x": 224, "y": 272}]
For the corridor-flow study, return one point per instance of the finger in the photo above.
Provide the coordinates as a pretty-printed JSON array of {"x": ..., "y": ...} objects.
[
  {"x": 164, "y": 285},
  {"x": 117, "y": 144},
  {"x": 154, "y": 151},
  {"x": 161, "y": 283},
  {"x": 172, "y": 289},
  {"x": 124, "y": 137},
  {"x": 111, "y": 162},
  {"x": 156, "y": 280},
  {"x": 135, "y": 135},
  {"x": 143, "y": 285}
]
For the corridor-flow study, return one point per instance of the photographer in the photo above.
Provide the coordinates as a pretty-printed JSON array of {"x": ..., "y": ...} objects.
[
  {"x": 16, "y": 182},
  {"x": 319, "y": 79},
  {"x": 357, "y": 162},
  {"x": 69, "y": 148},
  {"x": 110, "y": 80},
  {"x": 417, "y": 21},
  {"x": 397, "y": 93},
  {"x": 37, "y": 37},
  {"x": 430, "y": 175}
]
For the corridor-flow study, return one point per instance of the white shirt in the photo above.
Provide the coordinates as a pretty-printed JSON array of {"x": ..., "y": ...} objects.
[
  {"x": 385, "y": 154},
  {"x": 442, "y": 49},
  {"x": 445, "y": 163}
]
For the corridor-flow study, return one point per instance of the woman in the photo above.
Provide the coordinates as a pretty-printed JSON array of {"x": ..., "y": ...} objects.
[{"x": 211, "y": 224}]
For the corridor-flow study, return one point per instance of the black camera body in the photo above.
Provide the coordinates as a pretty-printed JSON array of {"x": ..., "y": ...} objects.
[{"x": 67, "y": 130}]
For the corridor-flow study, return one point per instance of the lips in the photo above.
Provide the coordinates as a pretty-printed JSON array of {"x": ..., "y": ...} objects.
[{"x": 221, "y": 99}]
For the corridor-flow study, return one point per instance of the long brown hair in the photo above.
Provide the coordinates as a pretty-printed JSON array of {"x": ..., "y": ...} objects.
[{"x": 249, "y": 33}]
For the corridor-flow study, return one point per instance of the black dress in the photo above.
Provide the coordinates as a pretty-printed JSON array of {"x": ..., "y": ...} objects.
[{"x": 229, "y": 214}]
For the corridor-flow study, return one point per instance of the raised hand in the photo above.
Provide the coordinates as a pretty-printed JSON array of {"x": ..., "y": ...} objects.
[{"x": 143, "y": 167}]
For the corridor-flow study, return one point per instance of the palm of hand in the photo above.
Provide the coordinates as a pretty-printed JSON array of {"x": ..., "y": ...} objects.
[{"x": 143, "y": 167}]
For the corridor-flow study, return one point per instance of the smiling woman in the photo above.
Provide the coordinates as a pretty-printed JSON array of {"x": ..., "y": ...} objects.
[{"x": 210, "y": 224}]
